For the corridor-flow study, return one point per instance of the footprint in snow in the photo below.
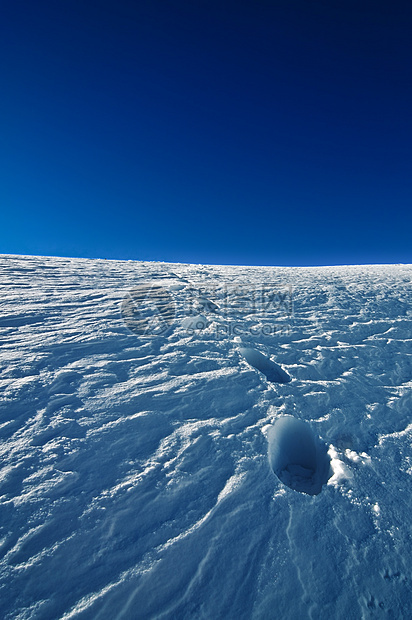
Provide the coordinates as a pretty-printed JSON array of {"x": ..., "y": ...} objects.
[
  {"x": 298, "y": 457},
  {"x": 272, "y": 371}
]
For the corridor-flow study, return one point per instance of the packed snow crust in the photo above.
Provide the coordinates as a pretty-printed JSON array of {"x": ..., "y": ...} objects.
[{"x": 203, "y": 442}]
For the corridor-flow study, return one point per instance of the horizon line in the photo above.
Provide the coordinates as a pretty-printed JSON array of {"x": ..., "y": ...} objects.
[{"x": 167, "y": 262}]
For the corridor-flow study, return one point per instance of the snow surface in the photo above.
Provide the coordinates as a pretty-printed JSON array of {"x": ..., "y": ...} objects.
[{"x": 144, "y": 432}]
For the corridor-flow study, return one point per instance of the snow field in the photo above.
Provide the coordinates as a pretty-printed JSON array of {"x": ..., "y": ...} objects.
[{"x": 139, "y": 471}]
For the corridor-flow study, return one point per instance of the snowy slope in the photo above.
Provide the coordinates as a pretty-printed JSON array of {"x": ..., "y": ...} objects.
[{"x": 142, "y": 455}]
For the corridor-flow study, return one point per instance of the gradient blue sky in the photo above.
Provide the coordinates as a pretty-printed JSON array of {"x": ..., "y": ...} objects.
[{"x": 255, "y": 132}]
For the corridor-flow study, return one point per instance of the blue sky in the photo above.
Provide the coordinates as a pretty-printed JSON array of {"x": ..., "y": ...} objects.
[{"x": 258, "y": 132}]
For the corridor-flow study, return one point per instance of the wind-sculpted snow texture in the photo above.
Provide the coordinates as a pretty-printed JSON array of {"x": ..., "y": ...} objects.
[{"x": 150, "y": 469}]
